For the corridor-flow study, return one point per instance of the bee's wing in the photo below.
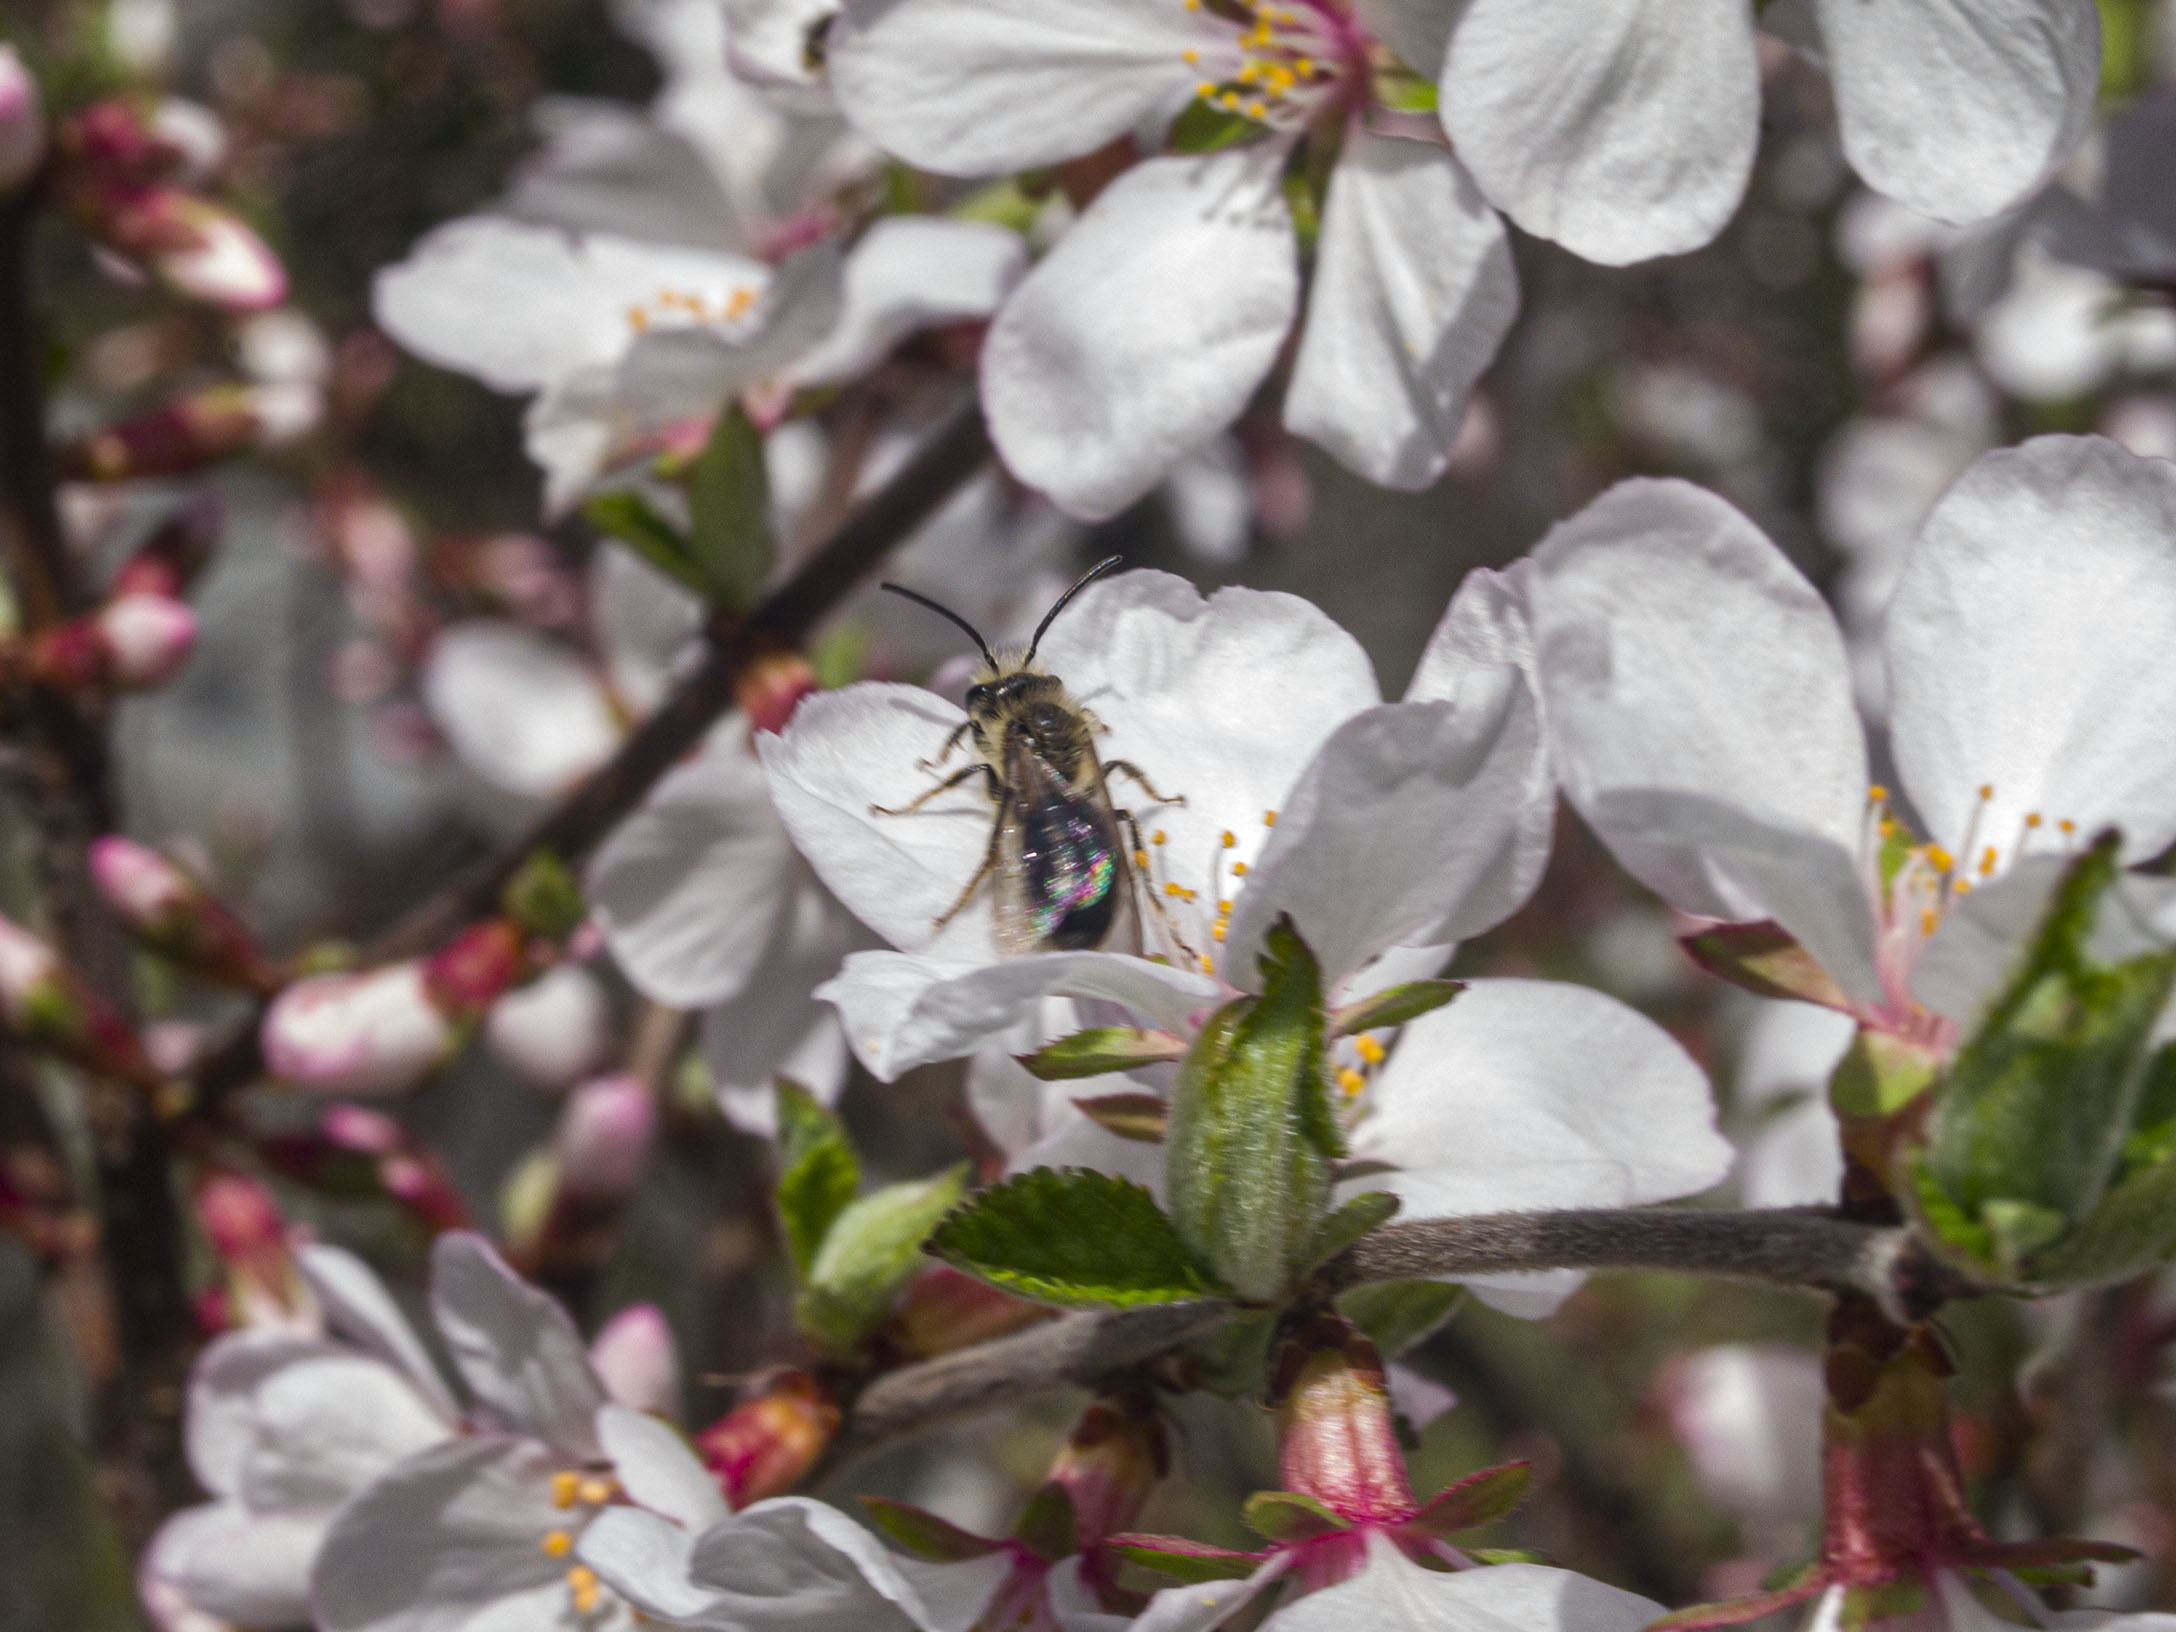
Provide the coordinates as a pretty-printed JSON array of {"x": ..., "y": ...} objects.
[{"x": 1062, "y": 880}]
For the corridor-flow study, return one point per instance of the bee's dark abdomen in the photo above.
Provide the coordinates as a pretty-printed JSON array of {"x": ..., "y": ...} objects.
[{"x": 1069, "y": 872}]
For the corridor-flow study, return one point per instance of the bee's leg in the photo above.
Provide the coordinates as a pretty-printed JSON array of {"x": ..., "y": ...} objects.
[
  {"x": 951, "y": 742},
  {"x": 989, "y": 866},
  {"x": 1112, "y": 767},
  {"x": 950, "y": 782}
]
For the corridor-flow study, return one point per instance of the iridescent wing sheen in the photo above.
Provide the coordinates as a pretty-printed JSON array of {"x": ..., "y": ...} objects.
[{"x": 1062, "y": 881}]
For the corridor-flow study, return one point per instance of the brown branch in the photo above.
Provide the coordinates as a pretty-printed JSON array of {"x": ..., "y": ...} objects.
[{"x": 1778, "y": 1246}]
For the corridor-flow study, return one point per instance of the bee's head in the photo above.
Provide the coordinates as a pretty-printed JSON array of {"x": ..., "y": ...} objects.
[
  {"x": 1000, "y": 692},
  {"x": 1004, "y": 682}
]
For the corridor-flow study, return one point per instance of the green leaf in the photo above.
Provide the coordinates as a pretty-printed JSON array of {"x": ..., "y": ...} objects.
[
  {"x": 1478, "y": 1499},
  {"x": 819, "y": 1175},
  {"x": 1394, "y": 1006},
  {"x": 544, "y": 898},
  {"x": 1046, "y": 1524},
  {"x": 1765, "y": 960},
  {"x": 1284, "y": 1515},
  {"x": 729, "y": 538},
  {"x": 1252, "y": 1135},
  {"x": 1188, "y": 1562},
  {"x": 1100, "y": 1050},
  {"x": 923, "y": 1534},
  {"x": 1362, "y": 1215},
  {"x": 868, "y": 1254},
  {"x": 1082, "y": 1239},
  {"x": 2030, "y": 1126},
  {"x": 1202, "y": 127},
  {"x": 630, "y": 518},
  {"x": 1143, "y": 1117},
  {"x": 1395, "y": 1315}
]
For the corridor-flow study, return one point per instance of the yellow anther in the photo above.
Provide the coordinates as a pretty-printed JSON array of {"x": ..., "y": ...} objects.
[
  {"x": 2032, "y": 818},
  {"x": 1205, "y": 90},
  {"x": 1239, "y": 869},
  {"x": 1269, "y": 818},
  {"x": 1174, "y": 890},
  {"x": 1351, "y": 1081},
  {"x": 1964, "y": 886},
  {"x": 557, "y": 1544},
  {"x": 1987, "y": 790},
  {"x": 638, "y": 319},
  {"x": 582, "y": 1583},
  {"x": 1247, "y": 72},
  {"x": 563, "y": 1488},
  {"x": 741, "y": 300},
  {"x": 2067, "y": 825},
  {"x": 1191, "y": 55},
  {"x": 1229, "y": 101},
  {"x": 1368, "y": 1049},
  {"x": 1987, "y": 861},
  {"x": 1140, "y": 858},
  {"x": 1230, "y": 838},
  {"x": 1216, "y": 931},
  {"x": 1255, "y": 110},
  {"x": 596, "y": 1492},
  {"x": 1941, "y": 858},
  {"x": 1927, "y": 921},
  {"x": 1156, "y": 837},
  {"x": 1208, "y": 966},
  {"x": 1878, "y": 794},
  {"x": 1224, "y": 909}
]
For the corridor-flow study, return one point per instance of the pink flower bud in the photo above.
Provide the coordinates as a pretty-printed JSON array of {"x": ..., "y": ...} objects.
[
  {"x": 49, "y": 1006},
  {"x": 367, "y": 1132},
  {"x": 604, "y": 1136},
  {"x": 474, "y": 969},
  {"x": 944, "y": 1310},
  {"x": 763, "y": 1446},
  {"x": 554, "y": 1031},
  {"x": 168, "y": 561},
  {"x": 198, "y": 249},
  {"x": 1337, "y": 1440},
  {"x": 147, "y": 638},
  {"x": 771, "y": 687},
  {"x": 22, "y": 122},
  {"x": 376, "y": 1032},
  {"x": 176, "y": 439},
  {"x": 174, "y": 914},
  {"x": 1109, "y": 1466},
  {"x": 635, "y": 1359}
]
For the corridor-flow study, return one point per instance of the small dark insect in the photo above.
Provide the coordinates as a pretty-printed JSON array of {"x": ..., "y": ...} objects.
[{"x": 1060, "y": 878}]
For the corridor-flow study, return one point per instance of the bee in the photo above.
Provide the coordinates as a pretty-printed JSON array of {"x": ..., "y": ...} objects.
[{"x": 1060, "y": 878}]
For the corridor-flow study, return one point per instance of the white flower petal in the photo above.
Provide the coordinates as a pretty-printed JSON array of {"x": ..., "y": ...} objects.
[
  {"x": 901, "y": 1011},
  {"x": 1959, "y": 108},
  {"x": 643, "y": 621},
  {"x": 1416, "y": 30},
  {"x": 1690, "y": 674},
  {"x": 1143, "y": 334},
  {"x": 608, "y": 167},
  {"x": 247, "y": 1568},
  {"x": 681, "y": 372},
  {"x": 219, "y": 1425},
  {"x": 1749, "y": 1417},
  {"x": 1074, "y": 1604},
  {"x": 514, "y": 1345},
  {"x": 975, "y": 87},
  {"x": 325, "y": 1427},
  {"x": 1794, "y": 1159},
  {"x": 522, "y": 712},
  {"x": 912, "y": 272},
  {"x": 554, "y": 1031},
  {"x": 658, "y": 1469},
  {"x": 1393, "y": 1594},
  {"x": 1410, "y": 818},
  {"x": 440, "y": 1538},
  {"x": 570, "y": 431},
  {"x": 834, "y": 1571},
  {"x": 1492, "y": 1105},
  {"x": 644, "y": 1558},
  {"x": 776, "y": 1026},
  {"x": 1622, "y": 129},
  {"x": 1209, "y": 1604},
  {"x": 1790, "y": 1048},
  {"x": 2028, "y": 649},
  {"x": 359, "y": 1309},
  {"x": 1414, "y": 292},
  {"x": 693, "y": 888}
]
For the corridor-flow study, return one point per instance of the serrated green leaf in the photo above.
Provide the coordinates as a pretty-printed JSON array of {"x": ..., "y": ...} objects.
[
  {"x": 630, "y": 518},
  {"x": 1081, "y": 1239},
  {"x": 1393, "y": 1006},
  {"x": 924, "y": 1535},
  {"x": 729, "y": 533},
  {"x": 1395, "y": 1315},
  {"x": 1361, "y": 1216},
  {"x": 1284, "y": 1515},
  {"x": 1253, "y": 1136},
  {"x": 1101, "y": 1050},
  {"x": 1202, "y": 127},
  {"x": 868, "y": 1254},
  {"x": 819, "y": 1172}
]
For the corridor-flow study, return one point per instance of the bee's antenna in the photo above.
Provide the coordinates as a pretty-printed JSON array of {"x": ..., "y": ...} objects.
[
  {"x": 943, "y": 611},
  {"x": 1085, "y": 579}
]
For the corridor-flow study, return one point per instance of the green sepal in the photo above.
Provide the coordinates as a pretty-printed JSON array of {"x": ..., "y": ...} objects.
[
  {"x": 1881, "y": 1074},
  {"x": 1101, "y": 1050},
  {"x": 1478, "y": 1499},
  {"x": 1202, "y": 127},
  {"x": 1190, "y": 1563},
  {"x": 819, "y": 1172},
  {"x": 871, "y": 1250},
  {"x": 1253, "y": 1138},
  {"x": 1509, "y": 1555},
  {"x": 1864, "y": 1605},
  {"x": 1077, "y": 1238},
  {"x": 1361, "y": 1216},
  {"x": 1285, "y": 1515},
  {"x": 629, "y": 517},
  {"x": 2054, "y": 1575},
  {"x": 729, "y": 533},
  {"x": 1395, "y": 1315},
  {"x": 544, "y": 898},
  {"x": 1393, "y": 1006},
  {"x": 922, "y": 1534},
  {"x": 1000, "y": 203},
  {"x": 1046, "y": 1525},
  {"x": 1142, "y": 1117},
  {"x": 1766, "y": 960},
  {"x": 1401, "y": 90}
]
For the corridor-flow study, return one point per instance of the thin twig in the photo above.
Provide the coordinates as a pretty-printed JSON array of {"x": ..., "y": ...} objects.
[{"x": 1779, "y": 1246}]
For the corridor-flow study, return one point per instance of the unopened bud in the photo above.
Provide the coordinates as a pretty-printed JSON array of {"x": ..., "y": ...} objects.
[
  {"x": 945, "y": 1310},
  {"x": 765, "y": 1446},
  {"x": 130, "y": 643},
  {"x": 376, "y": 1032},
  {"x": 1337, "y": 1439},
  {"x": 556, "y": 1030},
  {"x": 167, "y": 562},
  {"x": 1108, "y": 1467},
  {"x": 198, "y": 249},
  {"x": 635, "y": 1359},
  {"x": 771, "y": 687},
  {"x": 175, "y": 915},
  {"x": 49, "y": 1006},
  {"x": 22, "y": 122},
  {"x": 246, "y": 1229},
  {"x": 604, "y": 1136},
  {"x": 183, "y": 436},
  {"x": 476, "y": 968}
]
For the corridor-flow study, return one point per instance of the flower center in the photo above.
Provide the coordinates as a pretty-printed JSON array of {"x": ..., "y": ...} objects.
[
  {"x": 1290, "y": 60},
  {"x": 688, "y": 308},
  {"x": 586, "y": 1492}
]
